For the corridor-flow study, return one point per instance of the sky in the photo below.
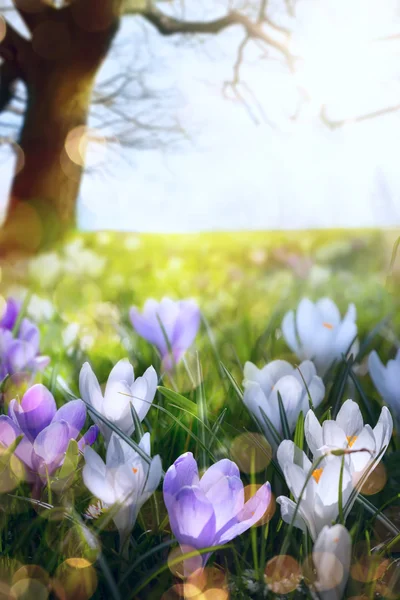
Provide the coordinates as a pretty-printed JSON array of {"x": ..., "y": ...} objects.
[{"x": 252, "y": 166}]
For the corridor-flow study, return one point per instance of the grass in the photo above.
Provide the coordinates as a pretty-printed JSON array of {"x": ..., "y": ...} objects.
[{"x": 80, "y": 294}]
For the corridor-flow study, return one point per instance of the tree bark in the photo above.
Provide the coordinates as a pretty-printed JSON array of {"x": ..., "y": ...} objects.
[{"x": 59, "y": 72}]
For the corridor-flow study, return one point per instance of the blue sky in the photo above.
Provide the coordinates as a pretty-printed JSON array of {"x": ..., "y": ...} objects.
[{"x": 275, "y": 173}]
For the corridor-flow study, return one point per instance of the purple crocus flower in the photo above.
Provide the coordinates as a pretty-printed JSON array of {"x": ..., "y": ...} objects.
[
  {"x": 177, "y": 322},
  {"x": 210, "y": 511},
  {"x": 19, "y": 351},
  {"x": 46, "y": 430}
]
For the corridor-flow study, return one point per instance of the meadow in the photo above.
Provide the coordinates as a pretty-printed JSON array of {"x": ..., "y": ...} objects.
[{"x": 59, "y": 539}]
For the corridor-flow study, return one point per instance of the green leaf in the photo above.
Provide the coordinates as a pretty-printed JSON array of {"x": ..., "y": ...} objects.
[
  {"x": 299, "y": 432},
  {"x": 70, "y": 461},
  {"x": 284, "y": 421},
  {"x": 275, "y": 435},
  {"x": 138, "y": 431},
  {"x": 5, "y": 456},
  {"x": 179, "y": 399},
  {"x": 233, "y": 382}
]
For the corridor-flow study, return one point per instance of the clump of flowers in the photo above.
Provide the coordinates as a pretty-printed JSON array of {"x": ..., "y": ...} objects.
[
  {"x": 19, "y": 343},
  {"x": 45, "y": 431}
]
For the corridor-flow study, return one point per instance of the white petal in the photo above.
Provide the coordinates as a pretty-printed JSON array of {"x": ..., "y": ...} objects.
[
  {"x": 289, "y": 332},
  {"x": 350, "y": 419},
  {"x": 291, "y": 392},
  {"x": 383, "y": 429},
  {"x": 313, "y": 432},
  {"x": 89, "y": 387},
  {"x": 316, "y": 389},
  {"x": 289, "y": 453},
  {"x": 288, "y": 508},
  {"x": 333, "y": 435},
  {"x": 308, "y": 323},
  {"x": 305, "y": 372},
  {"x": 254, "y": 399},
  {"x": 365, "y": 440},
  {"x": 331, "y": 557}
]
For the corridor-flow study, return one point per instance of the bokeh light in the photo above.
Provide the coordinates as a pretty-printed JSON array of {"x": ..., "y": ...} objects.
[
  {"x": 249, "y": 492},
  {"x": 376, "y": 481},
  {"x": 86, "y": 146},
  {"x": 251, "y": 452},
  {"x": 12, "y": 471},
  {"x": 24, "y": 230},
  {"x": 27, "y": 589},
  {"x": 74, "y": 581},
  {"x": 369, "y": 568},
  {"x": 282, "y": 574},
  {"x": 184, "y": 567}
]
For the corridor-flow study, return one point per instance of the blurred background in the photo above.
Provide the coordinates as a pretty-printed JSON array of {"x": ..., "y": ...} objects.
[{"x": 225, "y": 131}]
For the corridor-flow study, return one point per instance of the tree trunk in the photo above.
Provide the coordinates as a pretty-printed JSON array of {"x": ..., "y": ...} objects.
[{"x": 59, "y": 78}]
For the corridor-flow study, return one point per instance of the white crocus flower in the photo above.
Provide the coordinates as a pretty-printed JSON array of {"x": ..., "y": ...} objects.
[
  {"x": 318, "y": 333},
  {"x": 331, "y": 557},
  {"x": 121, "y": 392},
  {"x": 348, "y": 432},
  {"x": 318, "y": 505},
  {"x": 261, "y": 388},
  {"x": 124, "y": 482},
  {"x": 387, "y": 380}
]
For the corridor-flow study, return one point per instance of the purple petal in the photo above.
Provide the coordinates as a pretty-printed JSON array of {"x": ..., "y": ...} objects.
[
  {"x": 252, "y": 512},
  {"x": 20, "y": 354},
  {"x": 220, "y": 470},
  {"x": 192, "y": 518},
  {"x": 183, "y": 472},
  {"x": 148, "y": 327},
  {"x": 10, "y": 316},
  {"x": 9, "y": 431},
  {"x": 36, "y": 411},
  {"x": 89, "y": 438},
  {"x": 186, "y": 327},
  {"x": 74, "y": 414},
  {"x": 28, "y": 332},
  {"x": 50, "y": 447}
]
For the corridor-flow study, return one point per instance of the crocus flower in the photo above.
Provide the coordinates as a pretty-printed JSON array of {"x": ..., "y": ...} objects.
[
  {"x": 19, "y": 351},
  {"x": 317, "y": 332},
  {"x": 125, "y": 480},
  {"x": 331, "y": 557},
  {"x": 121, "y": 392},
  {"x": 210, "y": 510},
  {"x": 318, "y": 505},
  {"x": 261, "y": 388},
  {"x": 171, "y": 326},
  {"x": 348, "y": 432},
  {"x": 387, "y": 380},
  {"x": 46, "y": 431}
]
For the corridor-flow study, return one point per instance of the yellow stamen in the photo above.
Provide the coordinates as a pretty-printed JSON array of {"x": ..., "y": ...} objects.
[
  {"x": 351, "y": 439},
  {"x": 134, "y": 470},
  {"x": 317, "y": 474},
  {"x": 328, "y": 325}
]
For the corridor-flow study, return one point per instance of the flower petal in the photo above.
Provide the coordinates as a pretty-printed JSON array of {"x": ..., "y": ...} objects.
[
  {"x": 349, "y": 418},
  {"x": 122, "y": 371},
  {"x": 192, "y": 518},
  {"x": 288, "y": 510},
  {"x": 50, "y": 446},
  {"x": 36, "y": 410},
  {"x": 183, "y": 472},
  {"x": 74, "y": 414},
  {"x": 313, "y": 432}
]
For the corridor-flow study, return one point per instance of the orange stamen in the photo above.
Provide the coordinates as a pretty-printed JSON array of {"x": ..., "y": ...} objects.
[
  {"x": 351, "y": 439},
  {"x": 134, "y": 470},
  {"x": 317, "y": 474},
  {"x": 328, "y": 325}
]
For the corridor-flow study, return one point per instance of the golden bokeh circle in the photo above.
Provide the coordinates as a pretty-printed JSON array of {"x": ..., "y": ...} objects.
[
  {"x": 376, "y": 481},
  {"x": 369, "y": 568},
  {"x": 77, "y": 145},
  {"x": 325, "y": 579},
  {"x": 31, "y": 572},
  {"x": 184, "y": 567},
  {"x": 282, "y": 574},
  {"x": 27, "y": 589},
  {"x": 251, "y": 452},
  {"x": 74, "y": 583}
]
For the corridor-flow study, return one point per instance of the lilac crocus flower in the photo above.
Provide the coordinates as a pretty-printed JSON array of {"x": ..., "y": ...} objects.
[
  {"x": 19, "y": 351},
  {"x": 46, "y": 431},
  {"x": 171, "y": 326},
  {"x": 210, "y": 511}
]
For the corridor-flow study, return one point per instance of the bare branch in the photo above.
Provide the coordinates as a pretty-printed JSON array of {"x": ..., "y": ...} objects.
[
  {"x": 167, "y": 25},
  {"x": 334, "y": 124}
]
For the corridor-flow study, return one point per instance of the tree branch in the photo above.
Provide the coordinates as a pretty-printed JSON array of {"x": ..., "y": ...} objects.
[
  {"x": 334, "y": 124},
  {"x": 167, "y": 25}
]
